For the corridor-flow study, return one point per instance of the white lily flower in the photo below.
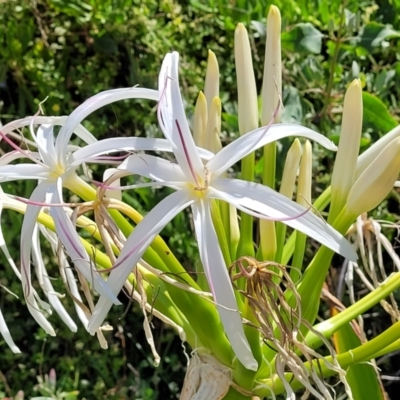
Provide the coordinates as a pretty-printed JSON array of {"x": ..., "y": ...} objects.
[
  {"x": 48, "y": 167},
  {"x": 196, "y": 185},
  {"x": 54, "y": 167},
  {"x": 43, "y": 278}
]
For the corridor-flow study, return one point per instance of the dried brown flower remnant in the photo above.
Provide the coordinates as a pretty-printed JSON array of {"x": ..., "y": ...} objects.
[{"x": 266, "y": 286}]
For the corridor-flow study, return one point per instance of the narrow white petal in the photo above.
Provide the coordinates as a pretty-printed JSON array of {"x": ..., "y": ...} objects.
[
  {"x": 79, "y": 131},
  {"x": 93, "y": 104},
  {"x": 265, "y": 200},
  {"x": 113, "y": 194},
  {"x": 20, "y": 123},
  {"x": 155, "y": 168},
  {"x": 220, "y": 283},
  {"x": 4, "y": 331},
  {"x": 67, "y": 274},
  {"x": 119, "y": 144},
  {"x": 45, "y": 143},
  {"x": 173, "y": 122},
  {"x": 253, "y": 140},
  {"x": 135, "y": 246},
  {"x": 72, "y": 243},
  {"x": 4, "y": 248},
  {"x": 73, "y": 287},
  {"x": 16, "y": 155},
  {"x": 45, "y": 282},
  {"x": 28, "y": 226},
  {"x": 22, "y": 171}
]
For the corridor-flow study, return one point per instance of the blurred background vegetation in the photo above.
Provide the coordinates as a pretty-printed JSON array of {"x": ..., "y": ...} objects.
[{"x": 69, "y": 50}]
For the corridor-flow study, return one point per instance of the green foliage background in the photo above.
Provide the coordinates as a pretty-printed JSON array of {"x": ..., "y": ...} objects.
[{"x": 70, "y": 50}]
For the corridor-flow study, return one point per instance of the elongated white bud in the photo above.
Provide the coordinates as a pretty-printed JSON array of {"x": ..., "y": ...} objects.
[
  {"x": 290, "y": 169},
  {"x": 211, "y": 86},
  {"x": 377, "y": 180},
  {"x": 272, "y": 80},
  {"x": 305, "y": 176},
  {"x": 372, "y": 152},
  {"x": 247, "y": 92},
  {"x": 213, "y": 130},
  {"x": 344, "y": 170},
  {"x": 200, "y": 121}
]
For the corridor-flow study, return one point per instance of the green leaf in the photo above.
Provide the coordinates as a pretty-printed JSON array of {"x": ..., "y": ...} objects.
[
  {"x": 107, "y": 44},
  {"x": 376, "y": 114},
  {"x": 293, "y": 109},
  {"x": 375, "y": 34},
  {"x": 362, "y": 378},
  {"x": 304, "y": 37}
]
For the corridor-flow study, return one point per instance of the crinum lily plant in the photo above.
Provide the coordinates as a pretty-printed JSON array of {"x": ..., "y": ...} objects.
[{"x": 249, "y": 316}]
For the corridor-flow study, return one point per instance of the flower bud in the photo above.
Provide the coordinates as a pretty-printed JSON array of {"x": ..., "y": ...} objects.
[
  {"x": 305, "y": 176},
  {"x": 211, "y": 86},
  {"x": 247, "y": 92},
  {"x": 213, "y": 130},
  {"x": 372, "y": 152},
  {"x": 344, "y": 170},
  {"x": 272, "y": 82},
  {"x": 290, "y": 169},
  {"x": 200, "y": 121},
  {"x": 377, "y": 180}
]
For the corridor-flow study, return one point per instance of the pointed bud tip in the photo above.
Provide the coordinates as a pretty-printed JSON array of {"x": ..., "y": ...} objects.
[
  {"x": 216, "y": 102},
  {"x": 274, "y": 12},
  {"x": 240, "y": 29},
  {"x": 355, "y": 89},
  {"x": 211, "y": 56},
  {"x": 201, "y": 96}
]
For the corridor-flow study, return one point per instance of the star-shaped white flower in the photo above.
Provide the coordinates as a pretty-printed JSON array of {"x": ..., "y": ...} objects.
[
  {"x": 197, "y": 184},
  {"x": 54, "y": 166}
]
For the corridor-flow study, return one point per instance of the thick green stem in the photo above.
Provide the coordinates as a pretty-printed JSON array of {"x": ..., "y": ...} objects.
[
  {"x": 329, "y": 327},
  {"x": 246, "y": 245},
  {"x": 363, "y": 353},
  {"x": 268, "y": 242},
  {"x": 205, "y": 320}
]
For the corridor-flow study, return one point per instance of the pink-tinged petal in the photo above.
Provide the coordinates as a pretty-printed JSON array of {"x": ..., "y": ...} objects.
[
  {"x": 4, "y": 331},
  {"x": 67, "y": 274},
  {"x": 173, "y": 122},
  {"x": 72, "y": 243},
  {"x": 253, "y": 140},
  {"x": 93, "y": 104},
  {"x": 107, "y": 146},
  {"x": 79, "y": 131},
  {"x": 3, "y": 245},
  {"x": 220, "y": 284},
  {"x": 158, "y": 169},
  {"x": 37, "y": 120},
  {"x": 28, "y": 227},
  {"x": 135, "y": 246},
  {"x": 16, "y": 155},
  {"x": 264, "y": 200},
  {"x": 22, "y": 171},
  {"x": 45, "y": 282},
  {"x": 45, "y": 144},
  {"x": 73, "y": 288}
]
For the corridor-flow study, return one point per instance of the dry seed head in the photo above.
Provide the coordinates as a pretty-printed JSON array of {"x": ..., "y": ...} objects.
[{"x": 280, "y": 325}]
